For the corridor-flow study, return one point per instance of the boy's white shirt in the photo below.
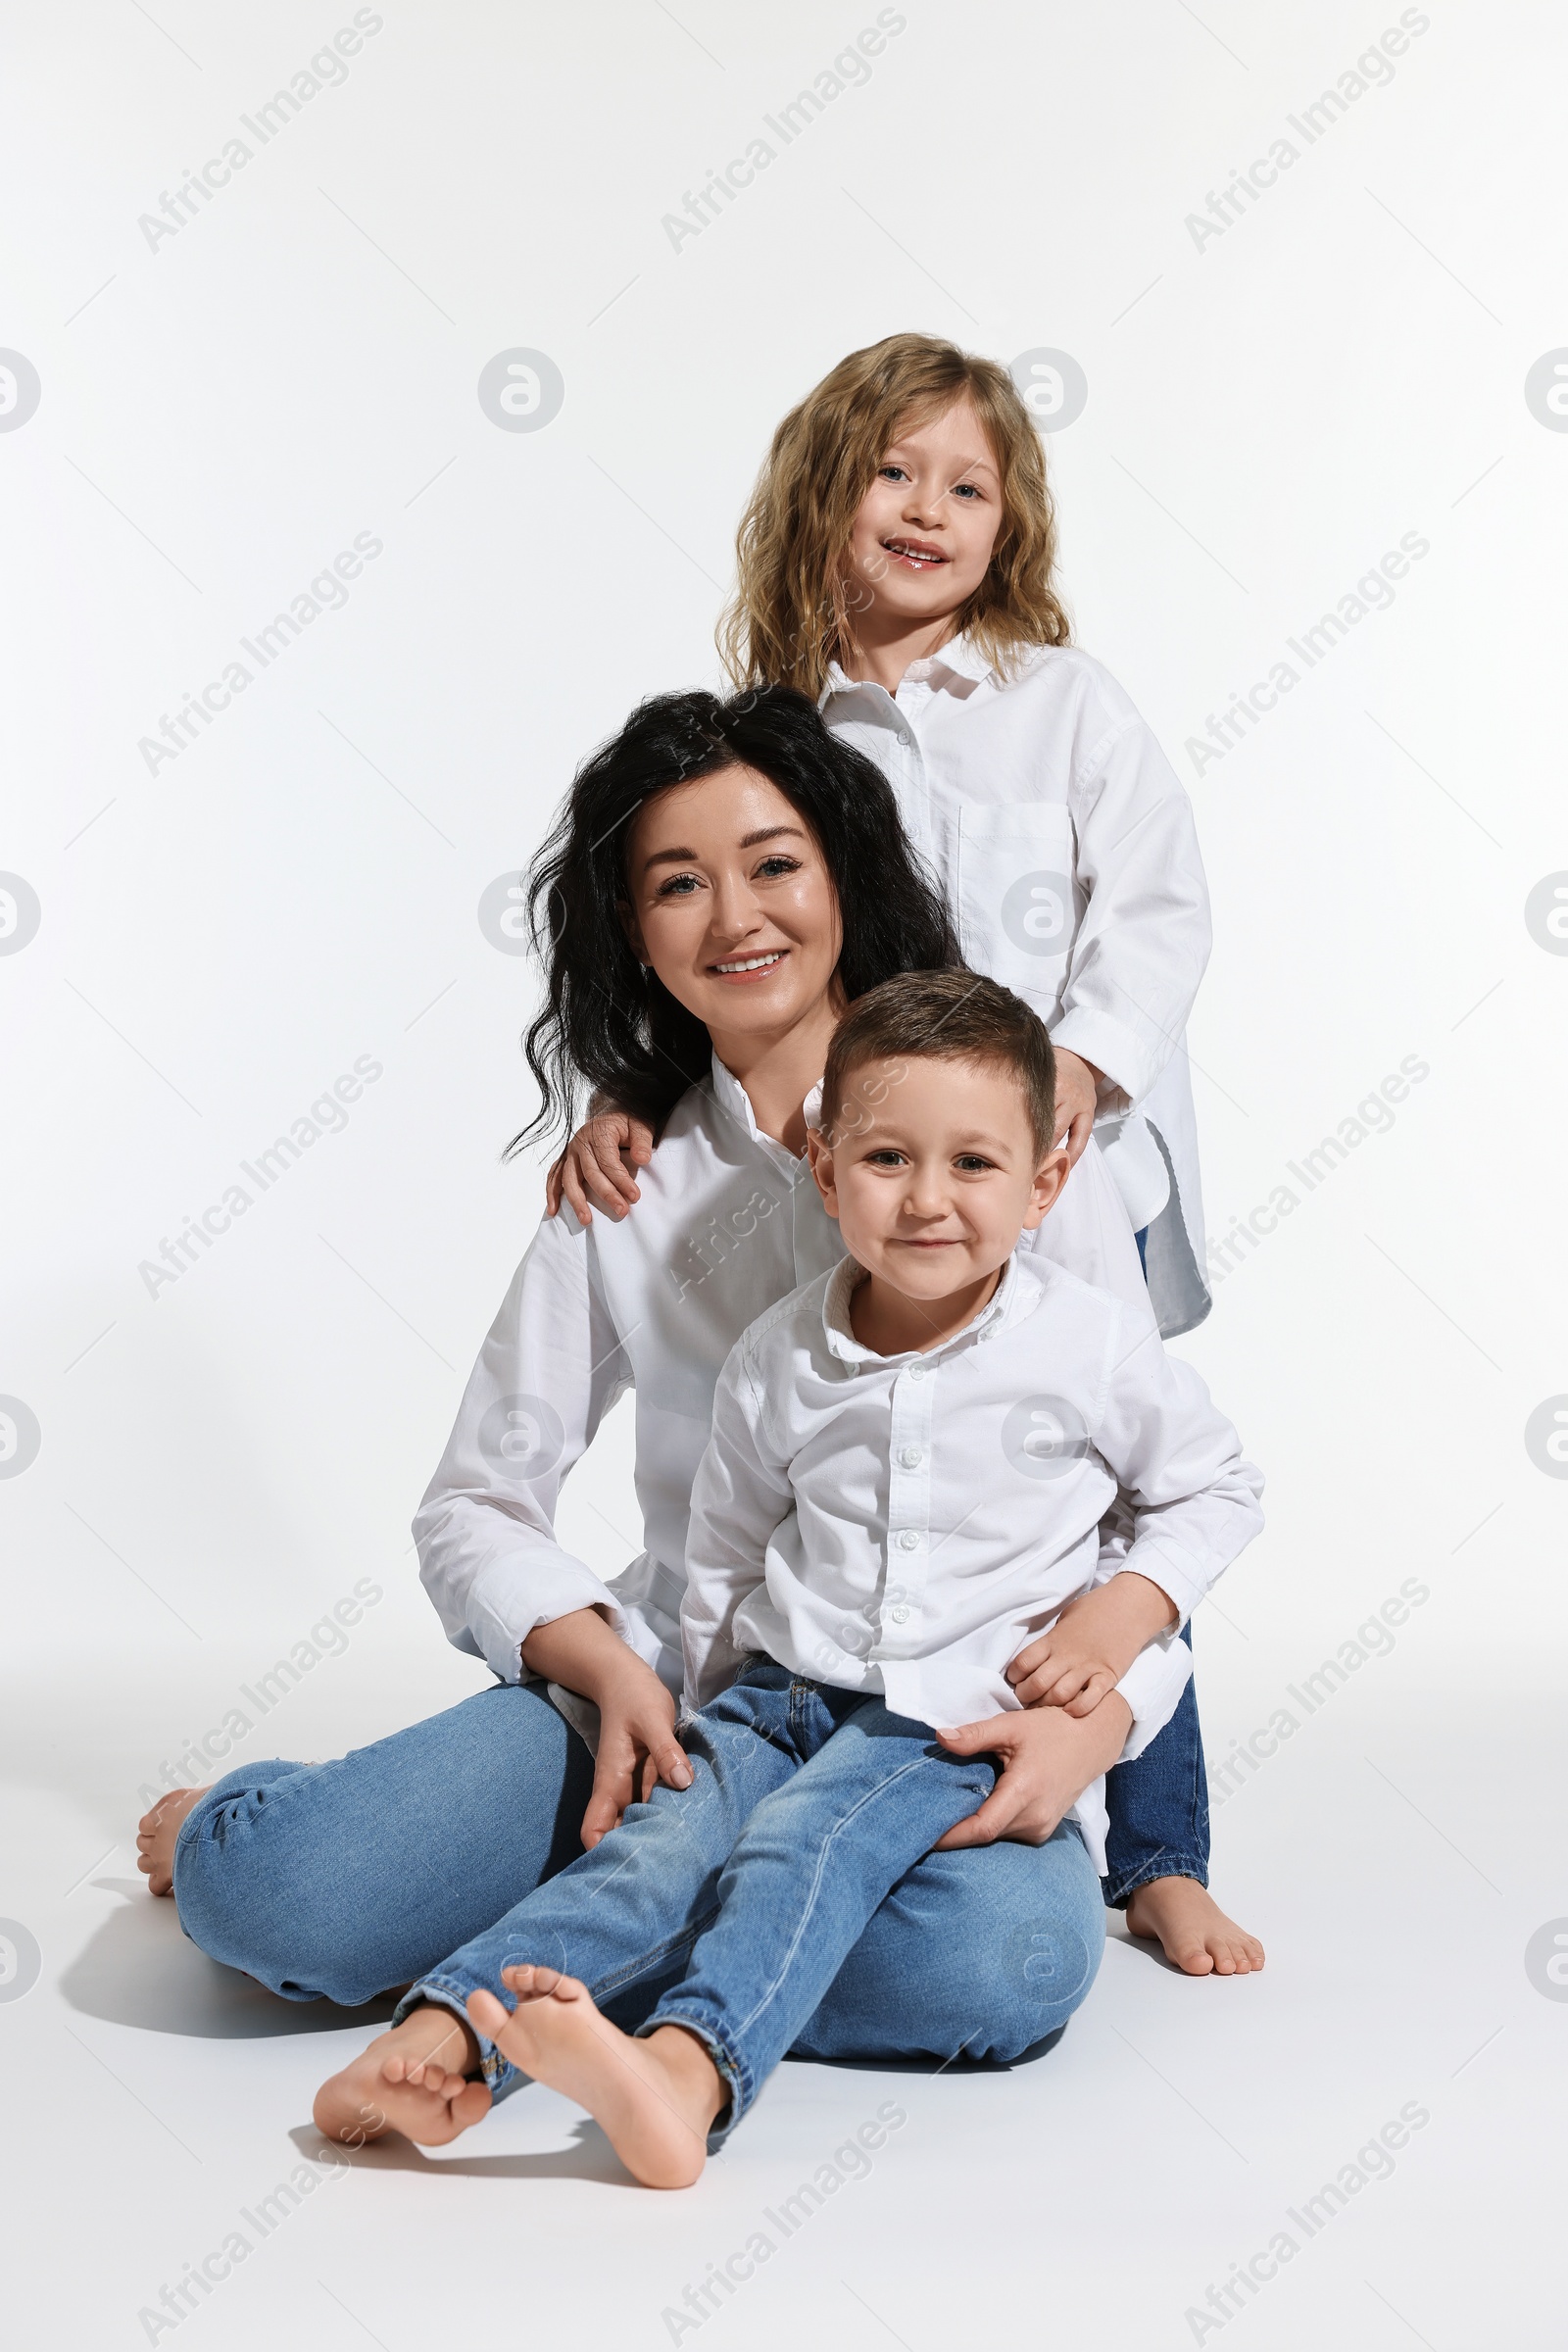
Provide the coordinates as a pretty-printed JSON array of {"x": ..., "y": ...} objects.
[
  {"x": 728, "y": 1224},
  {"x": 902, "y": 1525},
  {"x": 1065, "y": 845}
]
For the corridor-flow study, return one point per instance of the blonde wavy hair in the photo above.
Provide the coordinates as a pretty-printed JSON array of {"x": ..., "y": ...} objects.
[{"x": 793, "y": 610}]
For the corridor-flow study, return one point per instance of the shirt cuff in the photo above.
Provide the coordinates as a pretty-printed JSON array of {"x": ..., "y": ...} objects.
[
  {"x": 1112, "y": 1046},
  {"x": 1152, "y": 1686},
  {"x": 1178, "y": 1575},
  {"x": 509, "y": 1596}
]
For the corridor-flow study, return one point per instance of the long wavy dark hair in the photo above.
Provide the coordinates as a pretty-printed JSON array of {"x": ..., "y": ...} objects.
[{"x": 610, "y": 1023}]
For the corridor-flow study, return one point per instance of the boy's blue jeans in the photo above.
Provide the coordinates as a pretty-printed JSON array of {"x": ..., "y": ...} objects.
[
  {"x": 334, "y": 1882},
  {"x": 738, "y": 1900}
]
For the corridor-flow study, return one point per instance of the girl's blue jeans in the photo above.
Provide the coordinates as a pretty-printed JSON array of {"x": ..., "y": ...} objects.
[
  {"x": 730, "y": 1907},
  {"x": 343, "y": 1879}
]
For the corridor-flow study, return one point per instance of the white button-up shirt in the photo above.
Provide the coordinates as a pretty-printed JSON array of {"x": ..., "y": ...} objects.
[
  {"x": 1067, "y": 847},
  {"x": 905, "y": 1524},
  {"x": 729, "y": 1222}
]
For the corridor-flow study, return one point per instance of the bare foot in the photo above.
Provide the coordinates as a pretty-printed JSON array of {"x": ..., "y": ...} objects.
[
  {"x": 654, "y": 2099},
  {"x": 413, "y": 2080},
  {"x": 1197, "y": 1937},
  {"x": 154, "y": 1838}
]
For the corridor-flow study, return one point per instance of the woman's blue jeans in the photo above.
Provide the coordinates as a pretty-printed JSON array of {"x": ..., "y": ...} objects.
[{"x": 342, "y": 1881}]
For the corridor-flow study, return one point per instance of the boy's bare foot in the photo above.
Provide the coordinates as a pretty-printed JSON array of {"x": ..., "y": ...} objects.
[
  {"x": 654, "y": 2099},
  {"x": 1197, "y": 1937},
  {"x": 156, "y": 1833},
  {"x": 413, "y": 2080}
]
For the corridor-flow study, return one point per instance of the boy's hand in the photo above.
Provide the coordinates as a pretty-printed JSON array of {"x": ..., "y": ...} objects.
[
  {"x": 600, "y": 1159},
  {"x": 637, "y": 1747},
  {"x": 1048, "y": 1760},
  {"x": 1077, "y": 1100},
  {"x": 1092, "y": 1644}
]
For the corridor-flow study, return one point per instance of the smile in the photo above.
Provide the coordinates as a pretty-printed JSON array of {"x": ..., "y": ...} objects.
[
  {"x": 919, "y": 553},
  {"x": 752, "y": 963}
]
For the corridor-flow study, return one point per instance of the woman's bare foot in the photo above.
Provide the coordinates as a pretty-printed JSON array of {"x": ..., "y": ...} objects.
[
  {"x": 413, "y": 2080},
  {"x": 154, "y": 1838},
  {"x": 655, "y": 2099},
  {"x": 1197, "y": 1937}
]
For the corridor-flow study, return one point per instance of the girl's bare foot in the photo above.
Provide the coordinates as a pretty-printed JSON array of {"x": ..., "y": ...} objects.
[
  {"x": 654, "y": 2099},
  {"x": 413, "y": 2080},
  {"x": 1195, "y": 1935},
  {"x": 154, "y": 1838}
]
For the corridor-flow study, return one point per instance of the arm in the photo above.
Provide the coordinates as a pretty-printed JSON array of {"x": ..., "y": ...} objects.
[
  {"x": 1144, "y": 941},
  {"x": 740, "y": 1495},
  {"x": 547, "y": 1374},
  {"x": 600, "y": 1160}
]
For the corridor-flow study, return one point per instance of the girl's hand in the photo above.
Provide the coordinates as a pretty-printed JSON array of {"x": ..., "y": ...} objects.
[
  {"x": 637, "y": 1746},
  {"x": 1077, "y": 1098},
  {"x": 599, "y": 1160},
  {"x": 1048, "y": 1760}
]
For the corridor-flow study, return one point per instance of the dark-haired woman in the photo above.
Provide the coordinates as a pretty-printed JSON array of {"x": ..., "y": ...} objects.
[{"x": 726, "y": 878}]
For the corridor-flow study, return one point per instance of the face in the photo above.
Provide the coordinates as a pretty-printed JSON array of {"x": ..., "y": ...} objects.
[
  {"x": 924, "y": 532},
  {"x": 933, "y": 1173},
  {"x": 730, "y": 898}
]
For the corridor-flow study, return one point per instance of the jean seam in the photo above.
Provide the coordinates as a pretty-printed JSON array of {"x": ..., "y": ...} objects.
[{"x": 869, "y": 1797}]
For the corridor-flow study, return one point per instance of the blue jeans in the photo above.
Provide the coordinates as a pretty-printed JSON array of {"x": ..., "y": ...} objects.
[
  {"x": 735, "y": 1903},
  {"x": 341, "y": 1880}
]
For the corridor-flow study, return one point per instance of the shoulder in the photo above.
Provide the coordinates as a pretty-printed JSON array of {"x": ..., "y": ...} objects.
[
  {"x": 1116, "y": 1325},
  {"x": 792, "y": 1323},
  {"x": 1071, "y": 680}
]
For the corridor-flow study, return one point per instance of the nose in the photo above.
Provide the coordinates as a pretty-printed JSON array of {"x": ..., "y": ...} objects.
[{"x": 736, "y": 913}]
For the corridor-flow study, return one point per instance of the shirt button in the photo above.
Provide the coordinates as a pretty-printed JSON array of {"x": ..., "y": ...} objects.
[
  {"x": 900, "y": 1615},
  {"x": 908, "y": 1541},
  {"x": 917, "y": 1371},
  {"x": 911, "y": 1456}
]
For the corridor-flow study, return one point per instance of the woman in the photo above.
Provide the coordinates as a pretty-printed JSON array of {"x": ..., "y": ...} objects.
[{"x": 726, "y": 878}]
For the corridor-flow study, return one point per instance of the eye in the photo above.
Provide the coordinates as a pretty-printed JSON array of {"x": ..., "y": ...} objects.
[
  {"x": 677, "y": 886},
  {"x": 886, "y": 1158},
  {"x": 968, "y": 490},
  {"x": 973, "y": 1163},
  {"x": 779, "y": 863},
  {"x": 892, "y": 473}
]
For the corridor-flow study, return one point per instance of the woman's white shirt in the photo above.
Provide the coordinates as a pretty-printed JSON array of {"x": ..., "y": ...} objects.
[
  {"x": 1065, "y": 845},
  {"x": 728, "y": 1224}
]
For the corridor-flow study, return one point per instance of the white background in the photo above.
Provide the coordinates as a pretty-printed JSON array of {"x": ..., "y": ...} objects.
[{"x": 1267, "y": 414}]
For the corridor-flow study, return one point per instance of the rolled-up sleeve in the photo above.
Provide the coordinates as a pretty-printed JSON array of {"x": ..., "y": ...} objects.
[
  {"x": 1144, "y": 938},
  {"x": 548, "y": 1371}
]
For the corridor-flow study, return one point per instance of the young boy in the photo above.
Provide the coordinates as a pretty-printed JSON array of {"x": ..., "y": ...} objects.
[{"x": 911, "y": 1461}]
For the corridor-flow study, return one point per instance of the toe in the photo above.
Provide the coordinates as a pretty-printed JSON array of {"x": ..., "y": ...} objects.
[{"x": 487, "y": 2015}]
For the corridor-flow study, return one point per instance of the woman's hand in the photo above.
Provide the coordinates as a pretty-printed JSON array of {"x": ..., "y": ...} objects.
[
  {"x": 1077, "y": 1098},
  {"x": 1048, "y": 1760},
  {"x": 637, "y": 1746},
  {"x": 637, "y": 1742},
  {"x": 600, "y": 1159}
]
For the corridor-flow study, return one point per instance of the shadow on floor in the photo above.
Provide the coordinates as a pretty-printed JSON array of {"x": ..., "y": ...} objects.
[
  {"x": 141, "y": 1970},
  {"x": 590, "y": 2158}
]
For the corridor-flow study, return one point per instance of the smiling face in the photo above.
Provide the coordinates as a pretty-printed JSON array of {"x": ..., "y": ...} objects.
[
  {"x": 923, "y": 535},
  {"x": 934, "y": 1183},
  {"x": 730, "y": 899}
]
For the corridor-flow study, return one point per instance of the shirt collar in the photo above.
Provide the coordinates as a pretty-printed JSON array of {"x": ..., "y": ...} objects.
[
  {"x": 736, "y": 1103},
  {"x": 997, "y": 1312},
  {"x": 964, "y": 657}
]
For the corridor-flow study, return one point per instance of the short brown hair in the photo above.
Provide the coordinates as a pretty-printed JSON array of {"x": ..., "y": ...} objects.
[
  {"x": 793, "y": 610},
  {"x": 943, "y": 1016}
]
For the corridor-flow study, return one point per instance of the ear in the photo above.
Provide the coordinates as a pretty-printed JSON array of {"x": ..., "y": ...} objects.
[
  {"x": 1049, "y": 1177},
  {"x": 821, "y": 1156},
  {"x": 633, "y": 930}
]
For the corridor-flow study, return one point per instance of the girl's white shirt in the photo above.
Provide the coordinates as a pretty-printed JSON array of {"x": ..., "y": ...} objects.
[
  {"x": 728, "y": 1224},
  {"x": 1065, "y": 845}
]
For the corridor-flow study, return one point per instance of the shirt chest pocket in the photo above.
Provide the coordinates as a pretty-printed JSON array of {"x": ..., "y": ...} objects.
[{"x": 1017, "y": 906}]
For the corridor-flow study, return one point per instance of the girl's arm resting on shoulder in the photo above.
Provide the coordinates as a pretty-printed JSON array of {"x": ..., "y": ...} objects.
[
  {"x": 740, "y": 1495},
  {"x": 548, "y": 1372},
  {"x": 1144, "y": 941},
  {"x": 598, "y": 1164}
]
